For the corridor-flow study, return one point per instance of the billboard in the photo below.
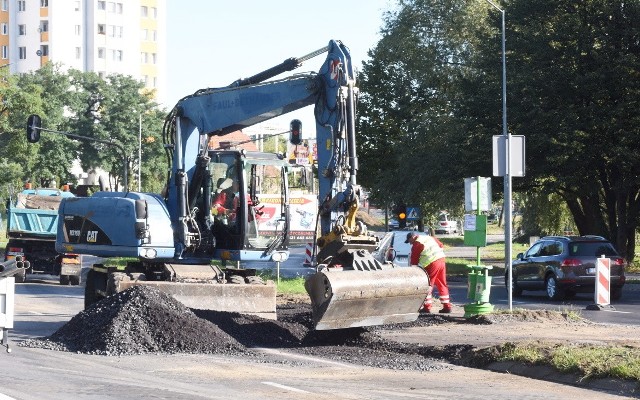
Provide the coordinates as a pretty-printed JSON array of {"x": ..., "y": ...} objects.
[{"x": 303, "y": 210}]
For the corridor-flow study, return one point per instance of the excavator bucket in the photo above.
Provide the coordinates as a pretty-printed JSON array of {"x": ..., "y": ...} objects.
[
  {"x": 257, "y": 300},
  {"x": 355, "y": 298}
]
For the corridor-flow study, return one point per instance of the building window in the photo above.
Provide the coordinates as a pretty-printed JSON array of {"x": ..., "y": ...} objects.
[
  {"x": 77, "y": 6},
  {"x": 44, "y": 3},
  {"x": 144, "y": 34},
  {"x": 44, "y": 26},
  {"x": 77, "y": 30},
  {"x": 144, "y": 11},
  {"x": 155, "y": 81},
  {"x": 154, "y": 12},
  {"x": 5, "y": 52},
  {"x": 78, "y": 53},
  {"x": 44, "y": 50},
  {"x": 102, "y": 29},
  {"x": 22, "y": 30},
  {"x": 155, "y": 36},
  {"x": 101, "y": 74},
  {"x": 154, "y": 58},
  {"x": 102, "y": 5},
  {"x": 5, "y": 29},
  {"x": 21, "y": 5},
  {"x": 143, "y": 58},
  {"x": 119, "y": 55},
  {"x": 22, "y": 53},
  {"x": 112, "y": 7},
  {"x": 101, "y": 52},
  {"x": 5, "y": 5},
  {"x": 119, "y": 8}
]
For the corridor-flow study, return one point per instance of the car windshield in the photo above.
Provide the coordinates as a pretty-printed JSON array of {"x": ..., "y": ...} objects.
[{"x": 591, "y": 249}]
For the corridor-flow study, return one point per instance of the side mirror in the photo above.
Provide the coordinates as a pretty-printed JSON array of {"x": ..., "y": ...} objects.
[
  {"x": 520, "y": 256},
  {"x": 34, "y": 124}
]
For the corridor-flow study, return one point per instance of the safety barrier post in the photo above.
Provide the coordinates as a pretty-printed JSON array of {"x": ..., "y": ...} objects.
[
  {"x": 602, "y": 294},
  {"x": 308, "y": 255}
]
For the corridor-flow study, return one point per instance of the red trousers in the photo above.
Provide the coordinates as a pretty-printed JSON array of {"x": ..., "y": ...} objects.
[{"x": 437, "y": 272}]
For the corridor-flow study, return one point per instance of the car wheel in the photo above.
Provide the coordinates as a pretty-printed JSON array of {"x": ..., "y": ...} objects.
[
  {"x": 515, "y": 289},
  {"x": 64, "y": 280},
  {"x": 554, "y": 292}
]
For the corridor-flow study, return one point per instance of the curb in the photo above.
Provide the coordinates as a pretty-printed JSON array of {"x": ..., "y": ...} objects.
[{"x": 547, "y": 373}]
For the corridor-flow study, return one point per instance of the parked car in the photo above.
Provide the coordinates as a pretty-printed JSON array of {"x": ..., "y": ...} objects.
[
  {"x": 566, "y": 265},
  {"x": 446, "y": 224},
  {"x": 393, "y": 248}
]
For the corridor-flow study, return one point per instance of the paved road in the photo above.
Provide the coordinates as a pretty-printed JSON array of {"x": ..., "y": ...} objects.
[{"x": 43, "y": 306}]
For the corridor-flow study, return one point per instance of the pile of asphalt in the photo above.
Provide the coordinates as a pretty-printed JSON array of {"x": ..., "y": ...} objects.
[{"x": 143, "y": 319}]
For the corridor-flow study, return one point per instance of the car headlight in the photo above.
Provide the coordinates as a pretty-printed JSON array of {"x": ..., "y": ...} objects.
[{"x": 280, "y": 256}]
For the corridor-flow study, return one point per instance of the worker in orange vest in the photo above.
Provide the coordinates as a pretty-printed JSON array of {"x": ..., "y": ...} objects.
[{"x": 426, "y": 252}]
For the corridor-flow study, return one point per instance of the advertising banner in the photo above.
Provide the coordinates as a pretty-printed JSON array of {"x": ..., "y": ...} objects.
[{"x": 303, "y": 212}]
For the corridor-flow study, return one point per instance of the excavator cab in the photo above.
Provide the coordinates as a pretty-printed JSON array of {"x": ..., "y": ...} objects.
[{"x": 248, "y": 213}]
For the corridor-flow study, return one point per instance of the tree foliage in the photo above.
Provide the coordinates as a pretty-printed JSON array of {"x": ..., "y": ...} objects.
[
  {"x": 431, "y": 102},
  {"x": 114, "y": 109}
]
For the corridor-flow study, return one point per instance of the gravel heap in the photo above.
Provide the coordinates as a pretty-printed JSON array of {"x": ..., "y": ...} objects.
[
  {"x": 138, "y": 320},
  {"x": 143, "y": 319}
]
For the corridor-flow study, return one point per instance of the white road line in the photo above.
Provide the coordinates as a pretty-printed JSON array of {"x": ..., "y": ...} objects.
[
  {"x": 289, "y": 388},
  {"x": 303, "y": 357},
  {"x": 5, "y": 397}
]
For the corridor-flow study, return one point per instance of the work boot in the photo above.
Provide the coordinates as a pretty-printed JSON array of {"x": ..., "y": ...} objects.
[
  {"x": 425, "y": 310},
  {"x": 445, "y": 310}
]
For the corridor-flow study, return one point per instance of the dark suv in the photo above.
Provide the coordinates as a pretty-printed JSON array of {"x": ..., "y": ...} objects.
[{"x": 566, "y": 265}]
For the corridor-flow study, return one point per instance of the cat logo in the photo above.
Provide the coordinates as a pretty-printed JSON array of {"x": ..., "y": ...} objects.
[{"x": 92, "y": 236}]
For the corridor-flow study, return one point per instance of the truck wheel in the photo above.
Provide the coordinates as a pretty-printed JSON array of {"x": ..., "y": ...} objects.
[
  {"x": 64, "y": 280},
  {"x": 90, "y": 295},
  {"x": 74, "y": 280}
]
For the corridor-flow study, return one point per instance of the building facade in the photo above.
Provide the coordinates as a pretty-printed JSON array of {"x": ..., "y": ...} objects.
[{"x": 103, "y": 36}]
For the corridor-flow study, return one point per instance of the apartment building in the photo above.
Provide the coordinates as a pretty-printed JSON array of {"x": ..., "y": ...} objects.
[{"x": 104, "y": 36}]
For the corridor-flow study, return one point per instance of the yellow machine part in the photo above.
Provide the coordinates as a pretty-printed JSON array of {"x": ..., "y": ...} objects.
[
  {"x": 354, "y": 298},
  {"x": 257, "y": 299}
]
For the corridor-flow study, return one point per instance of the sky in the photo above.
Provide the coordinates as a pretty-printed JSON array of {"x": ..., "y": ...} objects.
[{"x": 211, "y": 43}]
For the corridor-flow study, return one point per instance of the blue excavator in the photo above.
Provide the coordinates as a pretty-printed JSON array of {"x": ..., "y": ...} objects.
[{"x": 173, "y": 237}]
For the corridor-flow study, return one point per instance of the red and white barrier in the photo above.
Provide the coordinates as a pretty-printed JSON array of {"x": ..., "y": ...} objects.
[
  {"x": 603, "y": 281},
  {"x": 602, "y": 296},
  {"x": 308, "y": 254}
]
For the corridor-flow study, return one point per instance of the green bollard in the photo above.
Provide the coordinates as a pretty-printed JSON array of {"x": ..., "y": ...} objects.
[{"x": 479, "y": 290}]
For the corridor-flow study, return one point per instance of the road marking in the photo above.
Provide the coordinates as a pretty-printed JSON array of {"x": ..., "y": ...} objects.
[
  {"x": 292, "y": 389},
  {"x": 5, "y": 397},
  {"x": 303, "y": 357}
]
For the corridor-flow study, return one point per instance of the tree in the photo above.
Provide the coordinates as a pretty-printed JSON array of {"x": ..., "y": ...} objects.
[
  {"x": 573, "y": 91},
  {"x": 109, "y": 110},
  {"x": 410, "y": 95}
]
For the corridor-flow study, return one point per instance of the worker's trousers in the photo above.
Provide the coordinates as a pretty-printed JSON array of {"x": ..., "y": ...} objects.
[{"x": 437, "y": 272}]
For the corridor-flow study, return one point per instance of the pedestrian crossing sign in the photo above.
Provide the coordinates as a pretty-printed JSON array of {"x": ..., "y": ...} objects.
[{"x": 413, "y": 213}]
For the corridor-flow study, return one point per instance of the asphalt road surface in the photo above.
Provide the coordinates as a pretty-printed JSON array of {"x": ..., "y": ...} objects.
[{"x": 42, "y": 306}]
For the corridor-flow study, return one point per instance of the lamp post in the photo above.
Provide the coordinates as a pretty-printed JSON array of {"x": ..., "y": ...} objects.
[{"x": 508, "y": 234}]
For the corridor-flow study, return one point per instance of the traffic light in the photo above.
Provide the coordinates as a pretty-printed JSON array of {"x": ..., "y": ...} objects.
[
  {"x": 34, "y": 123},
  {"x": 295, "y": 134}
]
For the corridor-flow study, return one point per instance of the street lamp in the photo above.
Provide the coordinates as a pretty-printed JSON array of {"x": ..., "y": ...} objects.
[{"x": 508, "y": 235}]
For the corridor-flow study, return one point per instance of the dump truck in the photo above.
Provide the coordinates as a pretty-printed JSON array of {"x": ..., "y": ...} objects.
[{"x": 32, "y": 223}]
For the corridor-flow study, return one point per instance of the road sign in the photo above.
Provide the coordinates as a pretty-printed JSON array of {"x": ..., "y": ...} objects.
[
  {"x": 516, "y": 155},
  {"x": 413, "y": 213}
]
